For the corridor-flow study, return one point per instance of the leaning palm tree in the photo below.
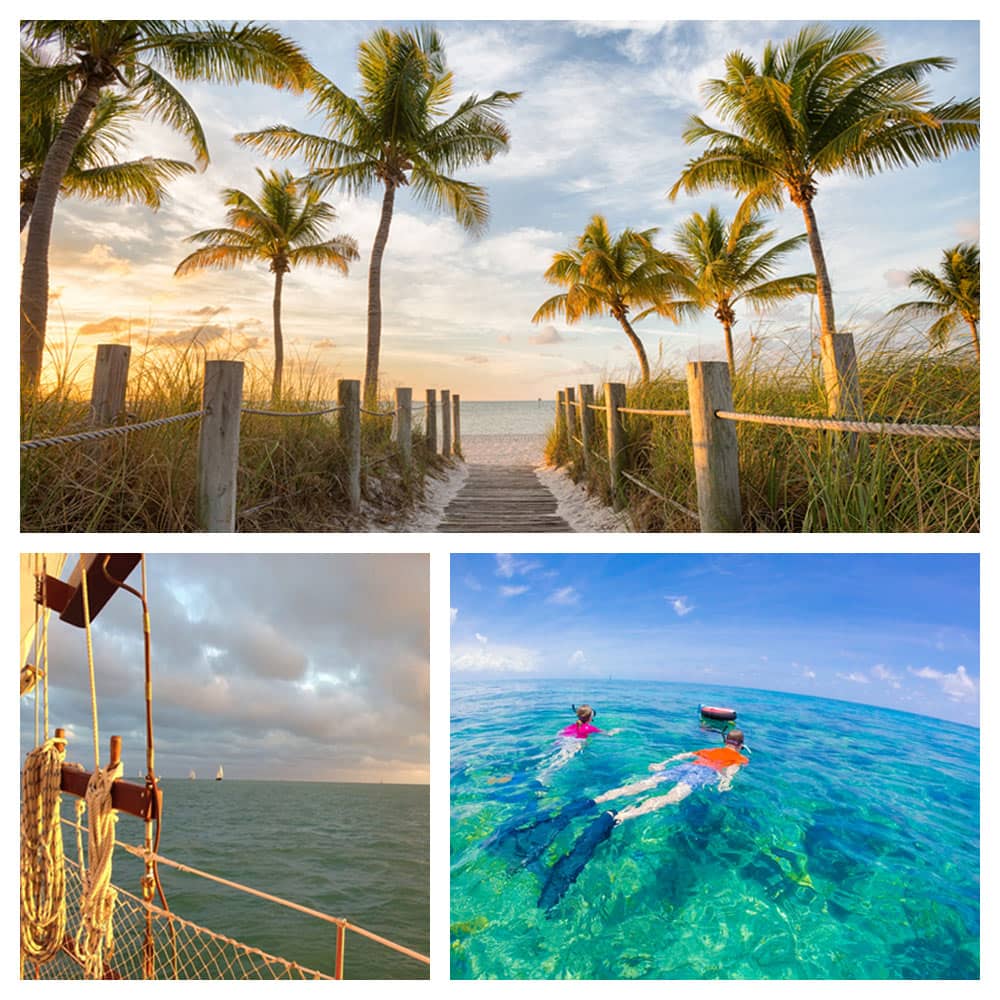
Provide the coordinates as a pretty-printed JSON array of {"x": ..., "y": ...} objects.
[
  {"x": 952, "y": 295},
  {"x": 397, "y": 133},
  {"x": 281, "y": 227},
  {"x": 94, "y": 171},
  {"x": 614, "y": 275},
  {"x": 95, "y": 56},
  {"x": 733, "y": 261},
  {"x": 820, "y": 103}
]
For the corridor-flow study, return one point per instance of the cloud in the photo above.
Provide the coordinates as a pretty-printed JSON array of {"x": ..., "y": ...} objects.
[
  {"x": 547, "y": 335},
  {"x": 958, "y": 686},
  {"x": 883, "y": 673},
  {"x": 481, "y": 638},
  {"x": 477, "y": 359},
  {"x": 968, "y": 229},
  {"x": 503, "y": 659},
  {"x": 471, "y": 582},
  {"x": 680, "y": 605},
  {"x": 206, "y": 311},
  {"x": 504, "y": 338},
  {"x": 855, "y": 678},
  {"x": 565, "y": 596},
  {"x": 454, "y": 615},
  {"x": 113, "y": 324},
  {"x": 895, "y": 278},
  {"x": 513, "y": 591},
  {"x": 102, "y": 257},
  {"x": 509, "y": 566},
  {"x": 576, "y": 658},
  {"x": 323, "y": 344}
]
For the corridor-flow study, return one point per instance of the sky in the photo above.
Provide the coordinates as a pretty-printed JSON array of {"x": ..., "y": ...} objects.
[
  {"x": 297, "y": 667},
  {"x": 900, "y": 630},
  {"x": 597, "y": 130}
]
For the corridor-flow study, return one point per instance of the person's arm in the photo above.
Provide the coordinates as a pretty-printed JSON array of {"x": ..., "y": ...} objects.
[
  {"x": 728, "y": 773},
  {"x": 609, "y": 732},
  {"x": 663, "y": 763}
]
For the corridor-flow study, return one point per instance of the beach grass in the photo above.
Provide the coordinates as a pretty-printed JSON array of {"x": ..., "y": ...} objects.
[
  {"x": 802, "y": 481},
  {"x": 291, "y": 470}
]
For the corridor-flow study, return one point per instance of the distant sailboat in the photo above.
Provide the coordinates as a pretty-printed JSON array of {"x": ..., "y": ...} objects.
[
  {"x": 192, "y": 775},
  {"x": 218, "y": 774}
]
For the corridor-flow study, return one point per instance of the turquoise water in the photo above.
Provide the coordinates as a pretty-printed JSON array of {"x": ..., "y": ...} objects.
[
  {"x": 354, "y": 851},
  {"x": 847, "y": 848},
  {"x": 506, "y": 418}
]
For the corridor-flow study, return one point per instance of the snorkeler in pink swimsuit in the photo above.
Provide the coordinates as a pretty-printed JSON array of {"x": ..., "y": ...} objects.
[{"x": 582, "y": 728}]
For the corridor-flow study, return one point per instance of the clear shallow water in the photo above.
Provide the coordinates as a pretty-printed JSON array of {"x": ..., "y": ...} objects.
[
  {"x": 354, "y": 851},
  {"x": 847, "y": 848}
]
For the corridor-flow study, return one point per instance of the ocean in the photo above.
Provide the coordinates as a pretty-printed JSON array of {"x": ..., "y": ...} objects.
[
  {"x": 504, "y": 418},
  {"x": 348, "y": 850},
  {"x": 847, "y": 848}
]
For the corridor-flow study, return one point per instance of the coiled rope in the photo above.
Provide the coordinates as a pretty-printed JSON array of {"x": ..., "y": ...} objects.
[
  {"x": 95, "y": 940},
  {"x": 43, "y": 877}
]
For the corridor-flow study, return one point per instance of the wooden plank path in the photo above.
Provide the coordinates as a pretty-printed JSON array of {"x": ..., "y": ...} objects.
[{"x": 502, "y": 498}]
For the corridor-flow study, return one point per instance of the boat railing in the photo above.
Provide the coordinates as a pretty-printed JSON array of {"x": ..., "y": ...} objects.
[{"x": 342, "y": 924}]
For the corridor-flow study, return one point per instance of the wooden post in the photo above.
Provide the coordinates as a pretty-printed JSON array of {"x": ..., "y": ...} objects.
[
  {"x": 570, "y": 399},
  {"x": 115, "y": 751},
  {"x": 338, "y": 965},
  {"x": 446, "y": 423},
  {"x": 560, "y": 416},
  {"x": 349, "y": 425},
  {"x": 716, "y": 455},
  {"x": 586, "y": 393},
  {"x": 402, "y": 425},
  {"x": 456, "y": 444},
  {"x": 614, "y": 400},
  {"x": 219, "y": 445},
  {"x": 107, "y": 395},
  {"x": 430, "y": 421}
]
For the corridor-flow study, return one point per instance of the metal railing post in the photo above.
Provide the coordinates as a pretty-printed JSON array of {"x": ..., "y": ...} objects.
[{"x": 338, "y": 967}]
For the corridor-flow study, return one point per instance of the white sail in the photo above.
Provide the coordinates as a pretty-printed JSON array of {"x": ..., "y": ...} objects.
[
  {"x": 31, "y": 564},
  {"x": 218, "y": 774},
  {"x": 192, "y": 775}
]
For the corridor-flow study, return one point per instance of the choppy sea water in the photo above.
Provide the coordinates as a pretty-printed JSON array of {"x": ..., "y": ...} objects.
[
  {"x": 847, "y": 848},
  {"x": 348, "y": 850}
]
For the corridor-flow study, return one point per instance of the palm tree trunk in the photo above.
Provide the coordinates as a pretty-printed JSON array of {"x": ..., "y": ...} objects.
[
  {"x": 639, "y": 349},
  {"x": 975, "y": 338},
  {"x": 25, "y": 213},
  {"x": 279, "y": 345},
  {"x": 730, "y": 357},
  {"x": 35, "y": 271},
  {"x": 375, "y": 298},
  {"x": 840, "y": 370}
]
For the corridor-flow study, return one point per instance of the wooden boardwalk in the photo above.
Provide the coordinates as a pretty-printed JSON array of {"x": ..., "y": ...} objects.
[{"x": 502, "y": 498}]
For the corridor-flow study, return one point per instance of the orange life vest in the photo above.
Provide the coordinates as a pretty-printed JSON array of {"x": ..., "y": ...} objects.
[{"x": 719, "y": 758}]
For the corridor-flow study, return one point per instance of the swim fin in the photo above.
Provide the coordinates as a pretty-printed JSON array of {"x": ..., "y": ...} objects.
[
  {"x": 526, "y": 839},
  {"x": 567, "y": 869}
]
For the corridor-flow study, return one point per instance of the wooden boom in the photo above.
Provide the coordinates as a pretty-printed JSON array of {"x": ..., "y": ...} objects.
[{"x": 66, "y": 599}]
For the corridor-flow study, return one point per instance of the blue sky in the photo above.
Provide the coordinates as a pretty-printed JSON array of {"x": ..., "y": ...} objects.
[
  {"x": 895, "y": 630},
  {"x": 596, "y": 131}
]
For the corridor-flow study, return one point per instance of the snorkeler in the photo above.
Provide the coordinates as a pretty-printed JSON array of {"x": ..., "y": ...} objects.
[
  {"x": 582, "y": 728},
  {"x": 715, "y": 765},
  {"x": 570, "y": 740}
]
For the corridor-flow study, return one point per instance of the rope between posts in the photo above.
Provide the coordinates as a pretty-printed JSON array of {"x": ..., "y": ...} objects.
[
  {"x": 291, "y": 413},
  {"x": 379, "y": 413},
  {"x": 104, "y": 432},
  {"x": 858, "y": 426},
  {"x": 654, "y": 413},
  {"x": 656, "y": 493}
]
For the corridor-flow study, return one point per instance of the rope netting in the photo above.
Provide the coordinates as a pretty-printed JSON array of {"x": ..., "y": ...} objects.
[{"x": 178, "y": 948}]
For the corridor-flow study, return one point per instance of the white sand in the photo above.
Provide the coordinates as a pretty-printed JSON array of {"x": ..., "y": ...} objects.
[
  {"x": 581, "y": 511},
  {"x": 506, "y": 449}
]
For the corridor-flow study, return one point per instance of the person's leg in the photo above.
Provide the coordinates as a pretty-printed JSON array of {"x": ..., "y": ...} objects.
[
  {"x": 637, "y": 786},
  {"x": 678, "y": 793}
]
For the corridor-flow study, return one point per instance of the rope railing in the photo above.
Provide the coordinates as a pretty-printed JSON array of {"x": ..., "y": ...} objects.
[
  {"x": 654, "y": 413},
  {"x": 379, "y": 413},
  {"x": 855, "y": 426},
  {"x": 343, "y": 922},
  {"x": 106, "y": 432},
  {"x": 659, "y": 495},
  {"x": 290, "y": 413}
]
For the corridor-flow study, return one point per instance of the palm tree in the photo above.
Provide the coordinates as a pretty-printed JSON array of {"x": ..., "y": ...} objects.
[
  {"x": 613, "y": 274},
  {"x": 733, "y": 261},
  {"x": 820, "y": 103},
  {"x": 397, "y": 133},
  {"x": 93, "y": 170},
  {"x": 952, "y": 296},
  {"x": 93, "y": 56},
  {"x": 282, "y": 228}
]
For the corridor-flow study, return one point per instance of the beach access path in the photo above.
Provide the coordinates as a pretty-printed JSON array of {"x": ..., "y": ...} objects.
[{"x": 502, "y": 498}]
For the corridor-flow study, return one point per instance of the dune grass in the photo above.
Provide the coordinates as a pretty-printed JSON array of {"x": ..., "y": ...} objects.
[
  {"x": 803, "y": 481},
  {"x": 291, "y": 470}
]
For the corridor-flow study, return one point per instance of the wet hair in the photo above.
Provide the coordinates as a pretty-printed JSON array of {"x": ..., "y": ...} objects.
[
  {"x": 734, "y": 736},
  {"x": 584, "y": 713}
]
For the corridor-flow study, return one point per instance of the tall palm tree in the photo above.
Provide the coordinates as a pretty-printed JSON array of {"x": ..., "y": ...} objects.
[
  {"x": 733, "y": 261},
  {"x": 93, "y": 56},
  {"x": 94, "y": 171},
  {"x": 397, "y": 133},
  {"x": 952, "y": 296},
  {"x": 614, "y": 275},
  {"x": 282, "y": 227},
  {"x": 820, "y": 103}
]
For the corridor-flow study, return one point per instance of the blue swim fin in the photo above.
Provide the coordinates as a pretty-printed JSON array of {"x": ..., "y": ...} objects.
[
  {"x": 567, "y": 869},
  {"x": 525, "y": 839}
]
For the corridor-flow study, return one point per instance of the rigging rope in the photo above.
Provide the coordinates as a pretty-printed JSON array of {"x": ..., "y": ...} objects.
[
  {"x": 95, "y": 938},
  {"x": 43, "y": 881}
]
